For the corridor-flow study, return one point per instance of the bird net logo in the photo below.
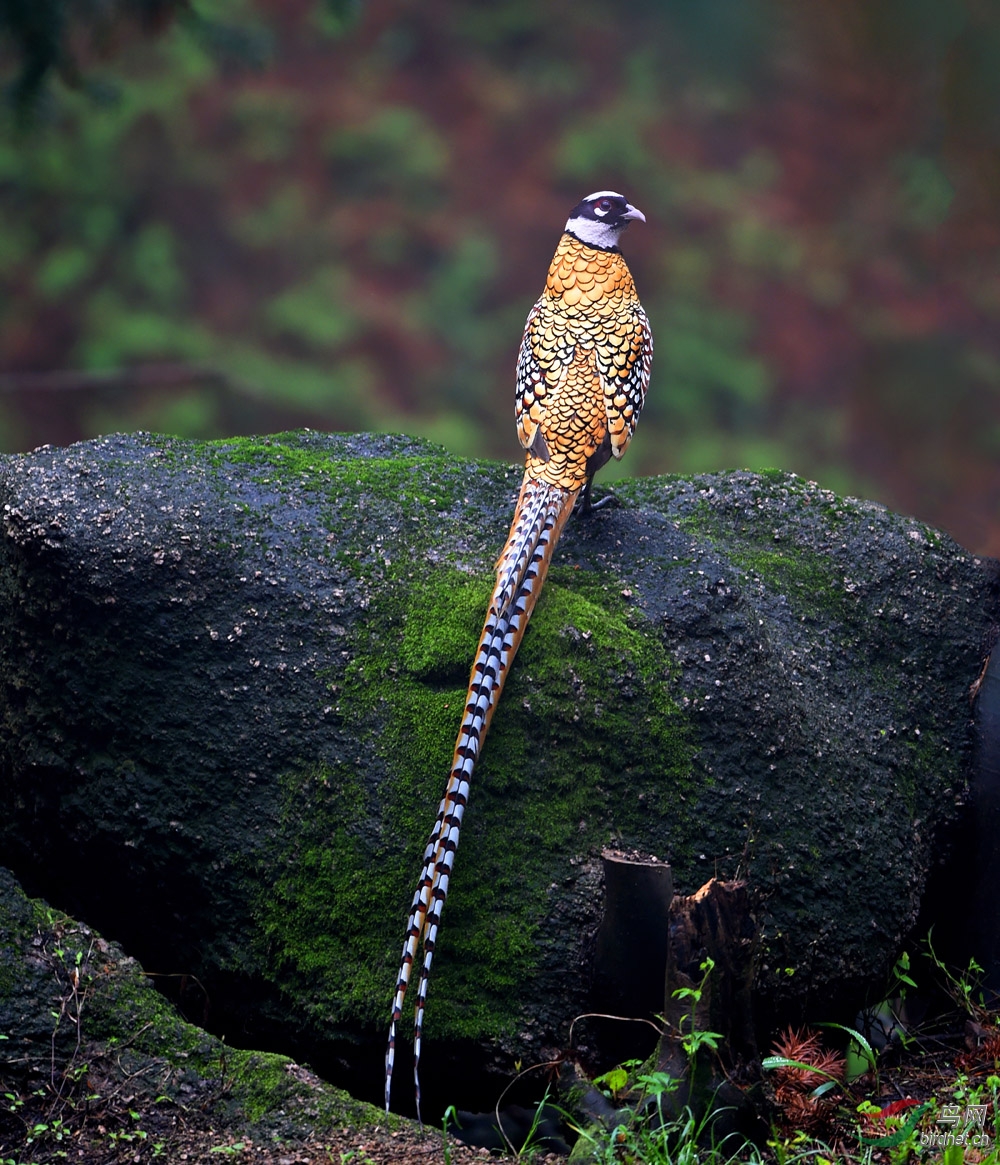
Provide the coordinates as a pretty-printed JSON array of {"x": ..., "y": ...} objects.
[
  {"x": 961, "y": 1125},
  {"x": 958, "y": 1125}
]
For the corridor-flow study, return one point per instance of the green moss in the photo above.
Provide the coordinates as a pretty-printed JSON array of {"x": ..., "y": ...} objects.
[
  {"x": 321, "y": 916},
  {"x": 272, "y": 1092},
  {"x": 808, "y": 581},
  {"x": 263, "y": 1081},
  {"x": 8, "y": 975},
  {"x": 402, "y": 491},
  {"x": 280, "y": 458},
  {"x": 441, "y": 623},
  {"x": 698, "y": 518},
  {"x": 554, "y": 773},
  {"x": 804, "y": 575}
]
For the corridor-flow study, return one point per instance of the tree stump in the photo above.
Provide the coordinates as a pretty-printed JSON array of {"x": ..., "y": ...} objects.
[
  {"x": 630, "y": 953},
  {"x": 713, "y": 924},
  {"x": 651, "y": 962}
]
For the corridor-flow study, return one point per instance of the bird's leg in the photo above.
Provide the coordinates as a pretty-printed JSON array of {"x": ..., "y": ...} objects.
[{"x": 585, "y": 505}]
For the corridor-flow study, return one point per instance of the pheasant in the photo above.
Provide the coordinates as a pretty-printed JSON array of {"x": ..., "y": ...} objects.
[{"x": 582, "y": 374}]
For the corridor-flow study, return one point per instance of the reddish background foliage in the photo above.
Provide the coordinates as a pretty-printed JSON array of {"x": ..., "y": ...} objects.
[{"x": 350, "y": 233}]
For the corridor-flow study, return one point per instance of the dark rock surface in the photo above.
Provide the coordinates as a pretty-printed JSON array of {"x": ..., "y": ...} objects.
[{"x": 231, "y": 675}]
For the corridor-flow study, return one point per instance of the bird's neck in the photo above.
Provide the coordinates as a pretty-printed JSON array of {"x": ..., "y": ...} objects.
[{"x": 580, "y": 273}]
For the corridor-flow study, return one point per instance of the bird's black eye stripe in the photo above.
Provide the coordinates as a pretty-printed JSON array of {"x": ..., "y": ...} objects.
[{"x": 605, "y": 206}]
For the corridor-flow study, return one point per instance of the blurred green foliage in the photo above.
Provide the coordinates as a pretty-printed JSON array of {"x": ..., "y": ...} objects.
[
  {"x": 395, "y": 153},
  {"x": 338, "y": 214}
]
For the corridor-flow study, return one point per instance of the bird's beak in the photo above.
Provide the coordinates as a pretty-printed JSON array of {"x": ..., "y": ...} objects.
[{"x": 634, "y": 212}]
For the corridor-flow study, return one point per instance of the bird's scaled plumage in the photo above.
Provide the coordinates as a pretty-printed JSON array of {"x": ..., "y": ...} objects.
[{"x": 582, "y": 374}]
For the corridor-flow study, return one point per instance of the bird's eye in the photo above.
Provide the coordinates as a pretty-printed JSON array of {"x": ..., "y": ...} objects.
[{"x": 605, "y": 204}]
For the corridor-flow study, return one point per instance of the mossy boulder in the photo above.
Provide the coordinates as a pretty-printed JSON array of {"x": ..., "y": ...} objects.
[
  {"x": 85, "y": 1031},
  {"x": 231, "y": 676}
]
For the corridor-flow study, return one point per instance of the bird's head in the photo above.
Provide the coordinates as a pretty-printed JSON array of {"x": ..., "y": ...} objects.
[{"x": 600, "y": 219}]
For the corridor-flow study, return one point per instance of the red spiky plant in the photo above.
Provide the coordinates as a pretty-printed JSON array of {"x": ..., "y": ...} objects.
[{"x": 794, "y": 1087}]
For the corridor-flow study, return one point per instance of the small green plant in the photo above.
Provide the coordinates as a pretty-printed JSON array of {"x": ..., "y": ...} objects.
[
  {"x": 654, "y": 1133},
  {"x": 859, "y": 1051},
  {"x": 529, "y": 1145},
  {"x": 619, "y": 1081},
  {"x": 47, "y": 1130},
  {"x": 964, "y": 987},
  {"x": 788, "y": 1149},
  {"x": 963, "y": 1093},
  {"x": 450, "y": 1117},
  {"x": 900, "y": 1127},
  {"x": 900, "y": 979},
  {"x": 694, "y": 1040},
  {"x": 885, "y": 1015},
  {"x": 652, "y": 1138}
]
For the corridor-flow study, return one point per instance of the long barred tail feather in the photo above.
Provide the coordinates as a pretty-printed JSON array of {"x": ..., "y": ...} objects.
[
  {"x": 542, "y": 511},
  {"x": 535, "y": 516},
  {"x": 418, "y": 911}
]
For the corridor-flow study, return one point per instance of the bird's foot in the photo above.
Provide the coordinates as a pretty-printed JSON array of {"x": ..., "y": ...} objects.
[{"x": 585, "y": 505}]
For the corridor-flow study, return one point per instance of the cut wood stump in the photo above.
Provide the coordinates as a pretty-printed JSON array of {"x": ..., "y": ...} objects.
[
  {"x": 709, "y": 976},
  {"x": 687, "y": 964}
]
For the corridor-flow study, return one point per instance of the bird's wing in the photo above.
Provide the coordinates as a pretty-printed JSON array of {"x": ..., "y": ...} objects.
[
  {"x": 546, "y": 352},
  {"x": 624, "y": 358}
]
